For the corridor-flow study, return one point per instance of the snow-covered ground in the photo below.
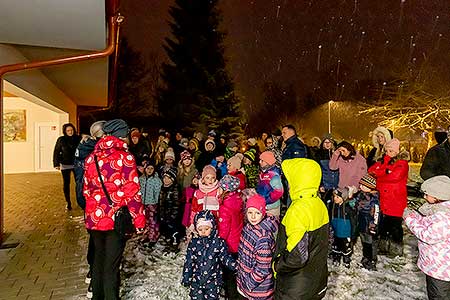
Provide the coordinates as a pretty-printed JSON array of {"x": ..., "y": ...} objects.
[{"x": 156, "y": 275}]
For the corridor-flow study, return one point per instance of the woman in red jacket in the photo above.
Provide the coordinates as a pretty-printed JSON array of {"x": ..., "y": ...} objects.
[
  {"x": 392, "y": 175},
  {"x": 120, "y": 178}
]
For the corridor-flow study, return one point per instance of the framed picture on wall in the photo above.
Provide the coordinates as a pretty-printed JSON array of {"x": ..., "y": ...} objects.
[{"x": 14, "y": 125}]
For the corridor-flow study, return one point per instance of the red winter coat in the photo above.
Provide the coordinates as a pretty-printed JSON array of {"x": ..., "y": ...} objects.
[
  {"x": 231, "y": 220},
  {"x": 118, "y": 169},
  {"x": 392, "y": 176}
]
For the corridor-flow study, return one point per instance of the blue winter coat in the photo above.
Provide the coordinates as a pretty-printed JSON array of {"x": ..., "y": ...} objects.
[
  {"x": 205, "y": 257},
  {"x": 150, "y": 188},
  {"x": 294, "y": 149},
  {"x": 83, "y": 150},
  {"x": 368, "y": 205},
  {"x": 222, "y": 170}
]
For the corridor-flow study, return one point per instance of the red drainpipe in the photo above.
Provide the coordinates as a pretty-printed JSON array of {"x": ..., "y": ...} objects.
[{"x": 114, "y": 21}]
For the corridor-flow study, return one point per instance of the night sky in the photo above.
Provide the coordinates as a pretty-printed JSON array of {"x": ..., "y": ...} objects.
[{"x": 334, "y": 50}]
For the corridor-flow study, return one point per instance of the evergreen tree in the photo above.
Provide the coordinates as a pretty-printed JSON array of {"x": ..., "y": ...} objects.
[{"x": 198, "y": 93}]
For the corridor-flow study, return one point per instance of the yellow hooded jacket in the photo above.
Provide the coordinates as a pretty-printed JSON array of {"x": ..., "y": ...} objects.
[{"x": 300, "y": 259}]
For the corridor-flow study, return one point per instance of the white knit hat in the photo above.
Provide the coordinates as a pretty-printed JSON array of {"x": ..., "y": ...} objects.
[{"x": 437, "y": 187}]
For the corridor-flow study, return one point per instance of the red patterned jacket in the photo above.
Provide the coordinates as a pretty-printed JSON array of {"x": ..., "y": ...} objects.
[{"x": 120, "y": 176}]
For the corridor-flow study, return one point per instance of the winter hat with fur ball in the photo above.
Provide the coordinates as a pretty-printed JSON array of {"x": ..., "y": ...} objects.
[
  {"x": 393, "y": 145},
  {"x": 437, "y": 187},
  {"x": 257, "y": 201}
]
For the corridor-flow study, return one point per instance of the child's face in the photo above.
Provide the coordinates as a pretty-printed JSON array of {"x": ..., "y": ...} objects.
[
  {"x": 135, "y": 140},
  {"x": 149, "y": 170},
  {"x": 246, "y": 161},
  {"x": 262, "y": 163},
  {"x": 209, "y": 179},
  {"x": 169, "y": 161},
  {"x": 364, "y": 188},
  {"x": 338, "y": 200},
  {"x": 161, "y": 149},
  {"x": 191, "y": 146},
  {"x": 220, "y": 158},
  {"x": 430, "y": 199},
  {"x": 187, "y": 162},
  {"x": 167, "y": 181},
  {"x": 230, "y": 167},
  {"x": 204, "y": 230},
  {"x": 209, "y": 147},
  {"x": 254, "y": 216}
]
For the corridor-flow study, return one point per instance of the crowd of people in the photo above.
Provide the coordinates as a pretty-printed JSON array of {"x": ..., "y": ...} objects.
[{"x": 260, "y": 218}]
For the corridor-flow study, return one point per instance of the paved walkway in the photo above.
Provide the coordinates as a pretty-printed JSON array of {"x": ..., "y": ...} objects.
[{"x": 50, "y": 260}]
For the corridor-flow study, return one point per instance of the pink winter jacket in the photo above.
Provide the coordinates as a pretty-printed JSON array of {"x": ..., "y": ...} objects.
[
  {"x": 434, "y": 240},
  {"x": 350, "y": 171},
  {"x": 231, "y": 220}
]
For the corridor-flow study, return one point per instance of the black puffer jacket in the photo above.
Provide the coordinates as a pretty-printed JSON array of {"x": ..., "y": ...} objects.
[
  {"x": 437, "y": 161},
  {"x": 64, "y": 152}
]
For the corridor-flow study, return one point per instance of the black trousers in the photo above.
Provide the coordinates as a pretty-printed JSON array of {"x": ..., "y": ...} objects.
[
  {"x": 391, "y": 228},
  {"x": 91, "y": 251},
  {"x": 438, "y": 289},
  {"x": 342, "y": 247},
  {"x": 106, "y": 273},
  {"x": 229, "y": 283},
  {"x": 66, "y": 182},
  {"x": 369, "y": 246}
]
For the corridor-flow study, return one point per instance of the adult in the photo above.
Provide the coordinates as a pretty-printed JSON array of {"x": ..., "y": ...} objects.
[
  {"x": 392, "y": 175},
  {"x": 64, "y": 155},
  {"x": 120, "y": 178},
  {"x": 294, "y": 147},
  {"x": 139, "y": 147},
  {"x": 300, "y": 259},
  {"x": 272, "y": 146},
  {"x": 85, "y": 148},
  {"x": 350, "y": 164},
  {"x": 330, "y": 178},
  {"x": 380, "y": 136},
  {"x": 437, "y": 161}
]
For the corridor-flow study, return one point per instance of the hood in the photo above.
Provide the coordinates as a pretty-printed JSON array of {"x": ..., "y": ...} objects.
[
  {"x": 303, "y": 176},
  {"x": 110, "y": 142},
  {"x": 382, "y": 130},
  {"x": 206, "y": 214},
  {"x": 269, "y": 223}
]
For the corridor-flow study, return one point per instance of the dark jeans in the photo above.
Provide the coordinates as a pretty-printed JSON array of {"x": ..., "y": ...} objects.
[
  {"x": 391, "y": 228},
  {"x": 66, "y": 181},
  {"x": 438, "y": 289},
  {"x": 106, "y": 273}
]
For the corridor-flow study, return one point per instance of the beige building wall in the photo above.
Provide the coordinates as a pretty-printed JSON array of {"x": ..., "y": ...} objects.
[{"x": 22, "y": 157}]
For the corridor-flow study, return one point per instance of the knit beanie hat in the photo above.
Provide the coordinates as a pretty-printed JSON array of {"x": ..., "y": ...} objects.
[
  {"x": 438, "y": 187},
  {"x": 208, "y": 170},
  {"x": 169, "y": 154},
  {"x": 235, "y": 162},
  {"x": 194, "y": 142},
  {"x": 368, "y": 181},
  {"x": 185, "y": 155},
  {"x": 232, "y": 144},
  {"x": 393, "y": 145},
  {"x": 342, "y": 192},
  {"x": 250, "y": 154},
  {"x": 268, "y": 157},
  {"x": 171, "y": 173},
  {"x": 184, "y": 142},
  {"x": 135, "y": 133},
  {"x": 116, "y": 127},
  {"x": 229, "y": 183},
  {"x": 96, "y": 129},
  {"x": 212, "y": 143},
  {"x": 257, "y": 201}
]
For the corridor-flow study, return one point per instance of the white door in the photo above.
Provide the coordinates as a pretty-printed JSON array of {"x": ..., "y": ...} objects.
[{"x": 46, "y": 136}]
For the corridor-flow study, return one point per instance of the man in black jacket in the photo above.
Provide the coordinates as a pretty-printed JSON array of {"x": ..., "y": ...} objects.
[
  {"x": 437, "y": 161},
  {"x": 294, "y": 146}
]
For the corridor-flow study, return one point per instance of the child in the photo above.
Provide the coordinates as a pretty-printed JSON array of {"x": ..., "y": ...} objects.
[
  {"x": 169, "y": 210},
  {"x": 150, "y": 190},
  {"x": 368, "y": 206},
  {"x": 434, "y": 237},
  {"x": 231, "y": 222},
  {"x": 186, "y": 170},
  {"x": 205, "y": 256},
  {"x": 251, "y": 170},
  {"x": 234, "y": 168},
  {"x": 187, "y": 196},
  {"x": 343, "y": 222},
  {"x": 256, "y": 247},
  {"x": 220, "y": 164},
  {"x": 169, "y": 162},
  {"x": 207, "y": 195}
]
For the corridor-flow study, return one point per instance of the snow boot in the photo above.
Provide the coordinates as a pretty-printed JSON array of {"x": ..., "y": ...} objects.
[
  {"x": 396, "y": 249},
  {"x": 383, "y": 246}
]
